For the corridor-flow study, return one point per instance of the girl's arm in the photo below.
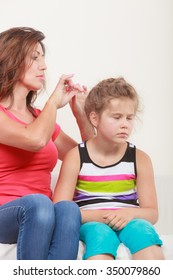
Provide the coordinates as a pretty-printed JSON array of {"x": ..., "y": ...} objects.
[
  {"x": 64, "y": 144},
  {"x": 66, "y": 183},
  {"x": 148, "y": 209},
  {"x": 146, "y": 188}
]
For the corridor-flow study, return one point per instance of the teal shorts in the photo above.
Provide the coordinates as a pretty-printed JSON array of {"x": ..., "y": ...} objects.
[{"x": 99, "y": 238}]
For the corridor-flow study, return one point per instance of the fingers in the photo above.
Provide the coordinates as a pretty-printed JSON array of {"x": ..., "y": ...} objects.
[
  {"x": 65, "y": 78},
  {"x": 66, "y": 81},
  {"x": 65, "y": 90},
  {"x": 115, "y": 222},
  {"x": 71, "y": 86}
]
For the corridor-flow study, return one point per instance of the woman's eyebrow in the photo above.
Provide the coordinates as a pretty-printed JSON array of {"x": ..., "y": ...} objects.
[{"x": 38, "y": 52}]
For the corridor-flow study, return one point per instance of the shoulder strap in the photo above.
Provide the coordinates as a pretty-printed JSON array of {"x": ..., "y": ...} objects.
[
  {"x": 130, "y": 155},
  {"x": 84, "y": 157}
]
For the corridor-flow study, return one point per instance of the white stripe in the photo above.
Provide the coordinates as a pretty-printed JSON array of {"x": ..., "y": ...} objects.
[
  {"x": 82, "y": 145},
  {"x": 93, "y": 170},
  {"x": 108, "y": 205}
]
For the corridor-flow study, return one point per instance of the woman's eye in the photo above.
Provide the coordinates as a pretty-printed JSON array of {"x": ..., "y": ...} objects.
[{"x": 34, "y": 57}]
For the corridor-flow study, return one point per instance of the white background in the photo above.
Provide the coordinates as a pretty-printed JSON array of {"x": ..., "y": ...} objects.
[{"x": 97, "y": 39}]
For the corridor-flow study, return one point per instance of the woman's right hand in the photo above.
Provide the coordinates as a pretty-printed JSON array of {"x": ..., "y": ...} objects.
[{"x": 65, "y": 90}]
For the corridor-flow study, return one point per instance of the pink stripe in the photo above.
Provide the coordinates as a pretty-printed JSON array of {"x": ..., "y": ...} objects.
[
  {"x": 109, "y": 208},
  {"x": 106, "y": 178}
]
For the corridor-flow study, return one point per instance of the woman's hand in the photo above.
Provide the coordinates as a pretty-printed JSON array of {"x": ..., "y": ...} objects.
[
  {"x": 77, "y": 106},
  {"x": 118, "y": 219},
  {"x": 77, "y": 103},
  {"x": 65, "y": 91}
]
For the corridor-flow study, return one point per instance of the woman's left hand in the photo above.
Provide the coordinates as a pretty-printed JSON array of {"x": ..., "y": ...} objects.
[
  {"x": 77, "y": 106},
  {"x": 77, "y": 103}
]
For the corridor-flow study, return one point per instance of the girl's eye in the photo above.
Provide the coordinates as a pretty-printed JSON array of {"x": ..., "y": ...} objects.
[
  {"x": 117, "y": 117},
  {"x": 130, "y": 118}
]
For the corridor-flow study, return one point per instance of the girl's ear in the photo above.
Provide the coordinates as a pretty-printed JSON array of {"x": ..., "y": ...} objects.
[{"x": 94, "y": 119}]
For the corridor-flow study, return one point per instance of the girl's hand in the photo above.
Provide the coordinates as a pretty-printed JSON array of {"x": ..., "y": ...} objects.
[
  {"x": 65, "y": 90},
  {"x": 118, "y": 219}
]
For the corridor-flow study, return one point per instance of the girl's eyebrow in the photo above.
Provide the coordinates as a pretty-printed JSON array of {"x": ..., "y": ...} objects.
[
  {"x": 131, "y": 115},
  {"x": 120, "y": 114}
]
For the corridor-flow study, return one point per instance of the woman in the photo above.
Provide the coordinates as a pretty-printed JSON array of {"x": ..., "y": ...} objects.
[{"x": 30, "y": 144}]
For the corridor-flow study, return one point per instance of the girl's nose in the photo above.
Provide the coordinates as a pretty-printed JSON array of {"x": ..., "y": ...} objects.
[{"x": 124, "y": 124}]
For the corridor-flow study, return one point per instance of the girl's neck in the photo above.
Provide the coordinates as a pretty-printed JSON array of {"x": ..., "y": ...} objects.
[
  {"x": 107, "y": 148},
  {"x": 103, "y": 154}
]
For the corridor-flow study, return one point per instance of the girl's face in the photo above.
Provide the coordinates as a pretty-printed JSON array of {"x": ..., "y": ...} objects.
[
  {"x": 34, "y": 76},
  {"x": 116, "y": 122}
]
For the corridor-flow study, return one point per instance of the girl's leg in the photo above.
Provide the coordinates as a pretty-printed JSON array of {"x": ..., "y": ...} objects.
[
  {"x": 29, "y": 221},
  {"x": 100, "y": 240},
  {"x": 142, "y": 240},
  {"x": 150, "y": 253},
  {"x": 65, "y": 241},
  {"x": 101, "y": 257}
]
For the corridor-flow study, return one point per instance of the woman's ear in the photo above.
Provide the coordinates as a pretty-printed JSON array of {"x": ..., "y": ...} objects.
[{"x": 94, "y": 119}]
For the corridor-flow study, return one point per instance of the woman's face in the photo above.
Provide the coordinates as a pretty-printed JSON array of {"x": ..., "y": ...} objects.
[{"x": 34, "y": 76}]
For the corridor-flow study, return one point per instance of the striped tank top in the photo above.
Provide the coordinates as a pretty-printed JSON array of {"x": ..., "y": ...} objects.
[{"x": 109, "y": 187}]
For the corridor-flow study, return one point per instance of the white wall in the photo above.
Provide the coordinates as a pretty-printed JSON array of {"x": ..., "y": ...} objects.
[{"x": 96, "y": 39}]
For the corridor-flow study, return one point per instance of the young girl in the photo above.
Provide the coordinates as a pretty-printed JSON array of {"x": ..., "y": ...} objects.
[{"x": 111, "y": 180}]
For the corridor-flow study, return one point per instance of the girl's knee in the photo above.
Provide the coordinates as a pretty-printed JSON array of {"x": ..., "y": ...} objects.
[
  {"x": 138, "y": 227},
  {"x": 96, "y": 231},
  {"x": 99, "y": 239},
  {"x": 139, "y": 234}
]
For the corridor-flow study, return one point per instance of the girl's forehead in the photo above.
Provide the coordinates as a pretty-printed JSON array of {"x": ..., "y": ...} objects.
[
  {"x": 120, "y": 104},
  {"x": 121, "y": 101}
]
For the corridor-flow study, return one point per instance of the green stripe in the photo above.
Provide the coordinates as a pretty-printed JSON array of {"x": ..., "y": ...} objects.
[{"x": 118, "y": 186}]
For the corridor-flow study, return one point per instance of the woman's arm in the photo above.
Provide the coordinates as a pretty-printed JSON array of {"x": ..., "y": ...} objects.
[
  {"x": 31, "y": 137},
  {"x": 34, "y": 136},
  {"x": 77, "y": 107}
]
